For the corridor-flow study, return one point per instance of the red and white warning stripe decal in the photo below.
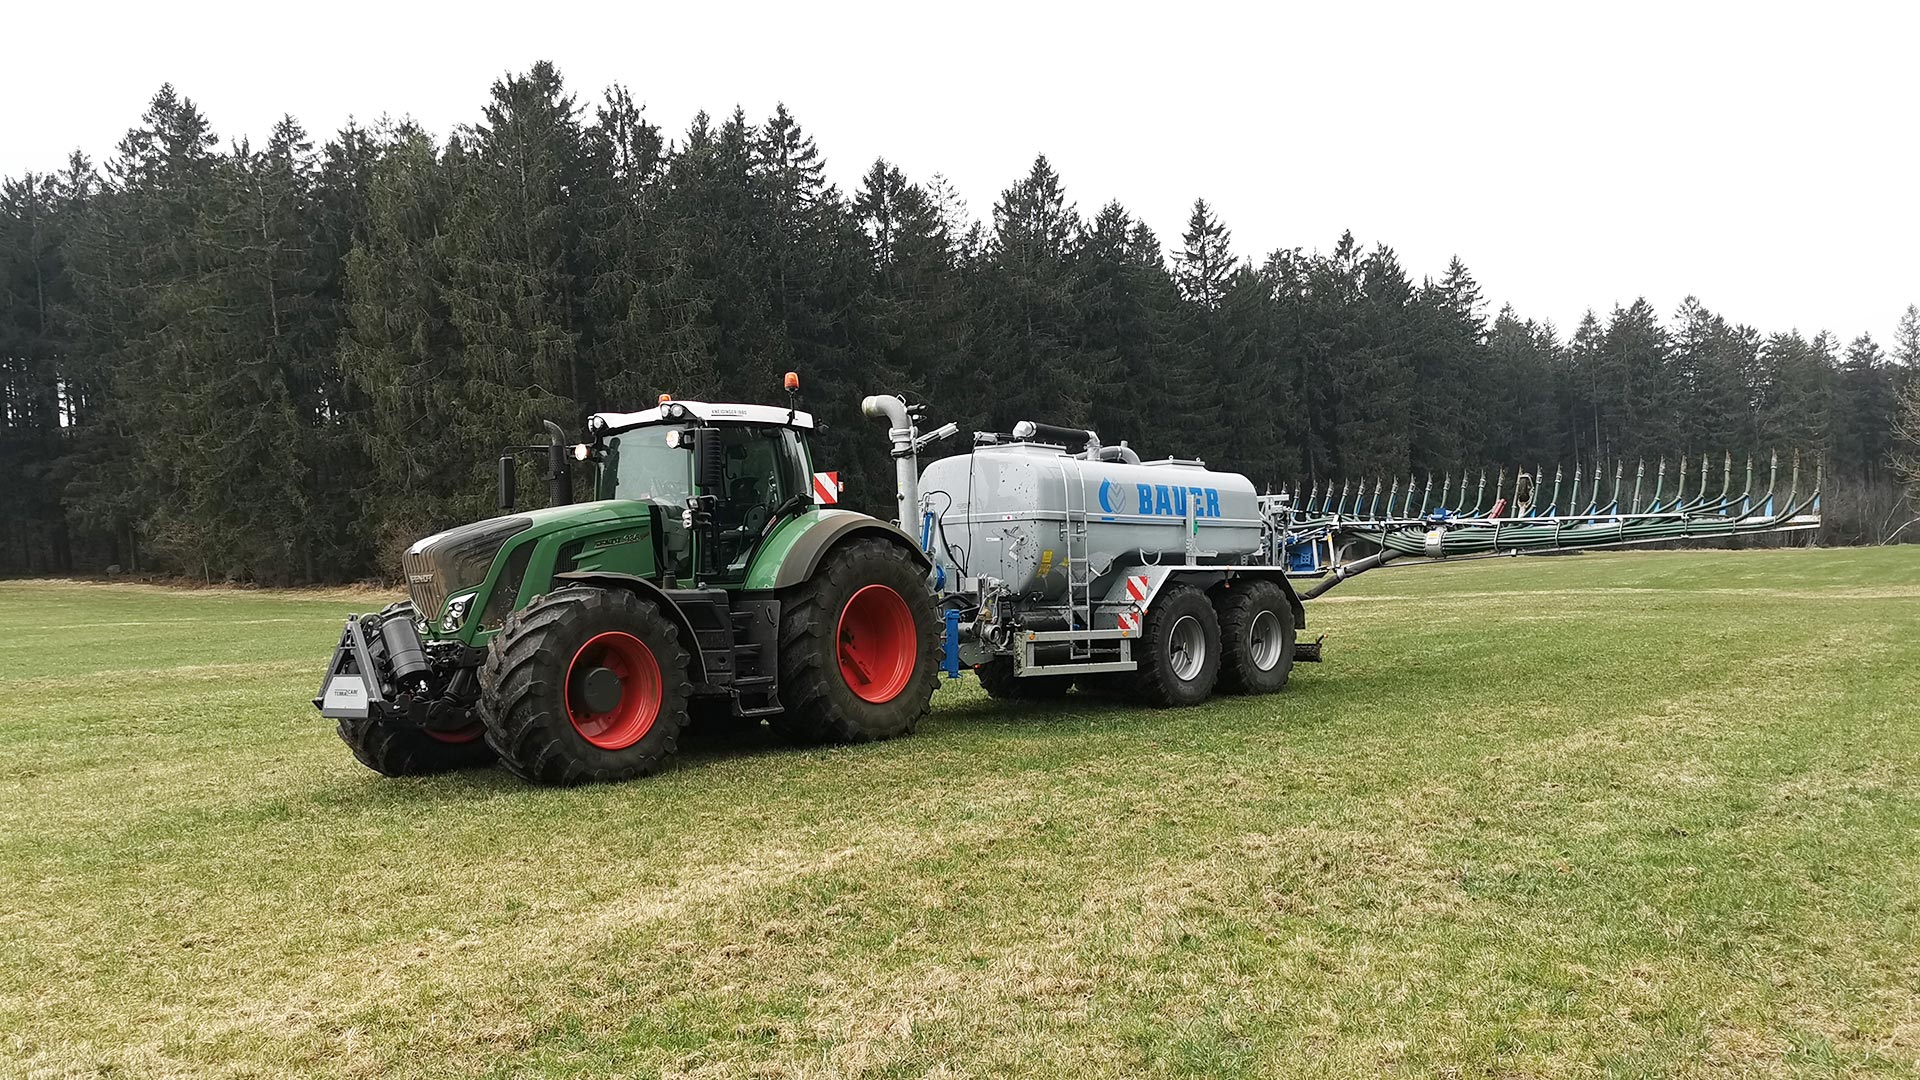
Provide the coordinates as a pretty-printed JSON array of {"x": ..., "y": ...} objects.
[
  {"x": 1129, "y": 622},
  {"x": 826, "y": 488},
  {"x": 1137, "y": 588}
]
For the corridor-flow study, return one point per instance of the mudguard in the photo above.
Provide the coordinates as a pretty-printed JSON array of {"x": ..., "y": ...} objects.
[
  {"x": 697, "y": 668},
  {"x": 803, "y": 557}
]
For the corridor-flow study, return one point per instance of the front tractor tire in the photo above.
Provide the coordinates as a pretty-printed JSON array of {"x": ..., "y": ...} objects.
[
  {"x": 859, "y": 647},
  {"x": 585, "y": 685},
  {"x": 1256, "y": 639},
  {"x": 394, "y": 749},
  {"x": 1180, "y": 649}
]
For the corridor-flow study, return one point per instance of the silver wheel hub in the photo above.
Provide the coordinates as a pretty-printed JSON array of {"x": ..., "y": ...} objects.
[
  {"x": 1187, "y": 648},
  {"x": 1264, "y": 641}
]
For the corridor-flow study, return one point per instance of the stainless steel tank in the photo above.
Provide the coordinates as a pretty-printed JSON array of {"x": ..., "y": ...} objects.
[{"x": 1004, "y": 512}]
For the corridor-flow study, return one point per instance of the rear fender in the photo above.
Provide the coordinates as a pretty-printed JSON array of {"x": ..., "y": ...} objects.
[
  {"x": 1279, "y": 577},
  {"x": 647, "y": 590},
  {"x": 827, "y": 531},
  {"x": 1140, "y": 585}
]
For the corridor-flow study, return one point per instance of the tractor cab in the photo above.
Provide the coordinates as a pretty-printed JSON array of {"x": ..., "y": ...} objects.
[{"x": 722, "y": 476}]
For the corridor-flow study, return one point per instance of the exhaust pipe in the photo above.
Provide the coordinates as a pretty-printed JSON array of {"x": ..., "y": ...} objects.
[
  {"x": 906, "y": 466},
  {"x": 559, "y": 472}
]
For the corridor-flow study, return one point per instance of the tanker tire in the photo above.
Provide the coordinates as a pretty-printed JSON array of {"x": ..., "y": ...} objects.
[
  {"x": 1246, "y": 639},
  {"x": 820, "y": 704},
  {"x": 999, "y": 681},
  {"x": 392, "y": 749},
  {"x": 523, "y": 687},
  {"x": 1170, "y": 674}
]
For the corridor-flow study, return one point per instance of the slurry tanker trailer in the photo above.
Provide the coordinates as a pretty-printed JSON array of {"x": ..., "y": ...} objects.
[{"x": 712, "y": 573}]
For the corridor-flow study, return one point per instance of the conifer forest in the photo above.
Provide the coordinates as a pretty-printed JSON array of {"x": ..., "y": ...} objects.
[{"x": 280, "y": 361}]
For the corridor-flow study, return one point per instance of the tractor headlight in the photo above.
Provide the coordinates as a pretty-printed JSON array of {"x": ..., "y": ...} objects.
[{"x": 457, "y": 612}]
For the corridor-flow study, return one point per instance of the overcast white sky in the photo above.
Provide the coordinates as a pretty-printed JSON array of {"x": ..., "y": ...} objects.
[{"x": 1765, "y": 157}]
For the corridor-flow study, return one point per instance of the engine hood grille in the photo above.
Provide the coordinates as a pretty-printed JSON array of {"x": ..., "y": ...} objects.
[{"x": 454, "y": 561}]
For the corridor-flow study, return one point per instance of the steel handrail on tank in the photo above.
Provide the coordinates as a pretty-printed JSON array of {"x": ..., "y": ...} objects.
[{"x": 1522, "y": 526}]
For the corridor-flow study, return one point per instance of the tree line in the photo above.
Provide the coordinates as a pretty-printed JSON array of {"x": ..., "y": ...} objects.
[{"x": 280, "y": 362}]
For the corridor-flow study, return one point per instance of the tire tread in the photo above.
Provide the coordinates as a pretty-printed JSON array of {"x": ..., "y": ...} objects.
[
  {"x": 526, "y": 717},
  {"x": 1156, "y": 681},
  {"x": 808, "y": 621}
]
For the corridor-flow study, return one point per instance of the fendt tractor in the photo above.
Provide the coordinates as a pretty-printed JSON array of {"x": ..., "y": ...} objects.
[{"x": 713, "y": 573}]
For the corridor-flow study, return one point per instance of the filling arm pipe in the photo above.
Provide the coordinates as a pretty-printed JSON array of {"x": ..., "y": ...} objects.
[{"x": 906, "y": 465}]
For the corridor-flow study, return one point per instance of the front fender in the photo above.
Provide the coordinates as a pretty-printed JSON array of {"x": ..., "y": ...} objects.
[{"x": 607, "y": 579}]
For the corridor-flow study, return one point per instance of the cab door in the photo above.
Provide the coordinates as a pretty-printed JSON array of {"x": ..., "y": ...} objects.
[{"x": 764, "y": 476}]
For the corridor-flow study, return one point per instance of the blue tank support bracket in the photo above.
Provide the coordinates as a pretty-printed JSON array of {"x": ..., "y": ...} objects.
[{"x": 950, "y": 645}]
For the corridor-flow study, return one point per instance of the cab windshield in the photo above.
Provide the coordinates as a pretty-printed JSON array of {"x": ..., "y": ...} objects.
[{"x": 644, "y": 468}]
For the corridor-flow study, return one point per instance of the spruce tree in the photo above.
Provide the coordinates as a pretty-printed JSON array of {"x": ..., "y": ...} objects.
[
  {"x": 1447, "y": 331},
  {"x": 142, "y": 307},
  {"x": 1906, "y": 344},
  {"x": 1131, "y": 347},
  {"x": 1797, "y": 397},
  {"x": 1523, "y": 366},
  {"x": 627, "y": 295},
  {"x": 1205, "y": 260},
  {"x": 917, "y": 313},
  {"x": 513, "y": 249},
  {"x": 1367, "y": 313},
  {"x": 1711, "y": 366},
  {"x": 1027, "y": 309},
  {"x": 1210, "y": 400},
  {"x": 429, "y": 439},
  {"x": 1865, "y": 401},
  {"x": 34, "y": 289}
]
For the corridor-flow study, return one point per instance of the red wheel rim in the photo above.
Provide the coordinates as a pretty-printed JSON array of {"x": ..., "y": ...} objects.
[
  {"x": 640, "y": 690},
  {"x": 463, "y": 735},
  {"x": 877, "y": 644}
]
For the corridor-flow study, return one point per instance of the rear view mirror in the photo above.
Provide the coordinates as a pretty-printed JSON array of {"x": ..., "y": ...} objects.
[{"x": 506, "y": 482}]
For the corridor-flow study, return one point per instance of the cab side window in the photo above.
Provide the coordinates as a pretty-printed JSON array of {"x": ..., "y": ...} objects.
[{"x": 755, "y": 476}]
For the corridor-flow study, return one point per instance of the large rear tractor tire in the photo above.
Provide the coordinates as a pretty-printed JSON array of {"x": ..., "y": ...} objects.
[
  {"x": 393, "y": 749},
  {"x": 585, "y": 685},
  {"x": 1180, "y": 648},
  {"x": 1256, "y": 639},
  {"x": 859, "y": 647},
  {"x": 999, "y": 681}
]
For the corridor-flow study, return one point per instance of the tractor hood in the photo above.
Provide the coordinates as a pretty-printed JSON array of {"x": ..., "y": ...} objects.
[{"x": 457, "y": 560}]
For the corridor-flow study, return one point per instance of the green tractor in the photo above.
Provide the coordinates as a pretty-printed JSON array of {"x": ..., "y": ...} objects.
[{"x": 710, "y": 572}]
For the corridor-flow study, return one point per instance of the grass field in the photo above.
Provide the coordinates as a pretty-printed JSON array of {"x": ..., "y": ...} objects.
[{"x": 1613, "y": 814}]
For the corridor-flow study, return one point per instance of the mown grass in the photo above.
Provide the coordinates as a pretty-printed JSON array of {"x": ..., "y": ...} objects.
[{"x": 1615, "y": 814}]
